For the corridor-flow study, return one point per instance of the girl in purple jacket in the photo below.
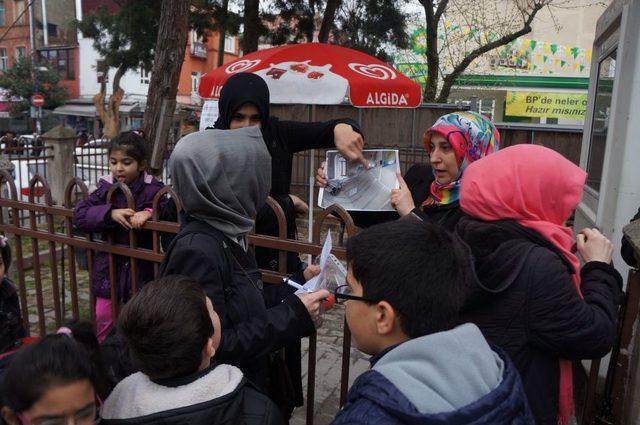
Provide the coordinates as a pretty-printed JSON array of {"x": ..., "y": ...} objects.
[{"x": 127, "y": 155}]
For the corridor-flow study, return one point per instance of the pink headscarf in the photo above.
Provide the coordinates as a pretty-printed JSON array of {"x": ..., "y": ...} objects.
[{"x": 538, "y": 188}]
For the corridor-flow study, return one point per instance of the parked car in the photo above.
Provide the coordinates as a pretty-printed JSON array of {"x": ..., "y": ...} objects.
[{"x": 92, "y": 161}]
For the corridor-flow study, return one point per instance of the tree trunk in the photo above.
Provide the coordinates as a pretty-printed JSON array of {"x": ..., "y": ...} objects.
[
  {"x": 173, "y": 29},
  {"x": 223, "y": 31},
  {"x": 251, "y": 26},
  {"x": 433, "y": 60},
  {"x": 327, "y": 21},
  {"x": 110, "y": 115}
]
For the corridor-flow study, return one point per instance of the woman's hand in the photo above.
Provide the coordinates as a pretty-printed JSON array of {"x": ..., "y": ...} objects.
[
  {"x": 312, "y": 301},
  {"x": 349, "y": 143},
  {"x": 594, "y": 246},
  {"x": 321, "y": 175},
  {"x": 121, "y": 216},
  {"x": 139, "y": 218},
  {"x": 401, "y": 198},
  {"x": 299, "y": 206}
]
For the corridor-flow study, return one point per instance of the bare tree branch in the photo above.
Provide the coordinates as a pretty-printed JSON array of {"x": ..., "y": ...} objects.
[{"x": 464, "y": 64}]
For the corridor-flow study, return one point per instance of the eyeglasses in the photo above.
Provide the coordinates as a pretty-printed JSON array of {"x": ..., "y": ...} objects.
[{"x": 343, "y": 293}]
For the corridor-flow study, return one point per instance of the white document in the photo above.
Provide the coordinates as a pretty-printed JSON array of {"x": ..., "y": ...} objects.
[
  {"x": 355, "y": 188},
  {"x": 209, "y": 114},
  {"x": 332, "y": 272}
]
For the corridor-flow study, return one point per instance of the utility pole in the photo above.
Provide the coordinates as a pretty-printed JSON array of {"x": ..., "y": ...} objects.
[{"x": 34, "y": 61}]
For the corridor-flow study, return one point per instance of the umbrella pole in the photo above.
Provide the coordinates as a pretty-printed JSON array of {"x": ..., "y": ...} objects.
[{"x": 312, "y": 155}]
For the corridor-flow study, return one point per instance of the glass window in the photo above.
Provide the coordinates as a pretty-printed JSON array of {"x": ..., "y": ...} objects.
[
  {"x": 487, "y": 107},
  {"x": 60, "y": 61},
  {"x": 195, "y": 80},
  {"x": 600, "y": 121},
  {"x": 3, "y": 59},
  {"x": 18, "y": 11},
  {"x": 145, "y": 76},
  {"x": 21, "y": 52},
  {"x": 2, "y": 11},
  {"x": 230, "y": 44}
]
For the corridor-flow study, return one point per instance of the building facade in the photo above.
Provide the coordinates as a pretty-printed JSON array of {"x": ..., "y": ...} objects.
[{"x": 541, "y": 77}]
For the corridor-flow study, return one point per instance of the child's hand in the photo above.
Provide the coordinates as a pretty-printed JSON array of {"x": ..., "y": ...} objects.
[
  {"x": 139, "y": 218},
  {"x": 311, "y": 271},
  {"x": 121, "y": 216}
]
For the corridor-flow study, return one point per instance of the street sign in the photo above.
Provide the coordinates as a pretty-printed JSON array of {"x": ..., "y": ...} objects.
[{"x": 37, "y": 100}]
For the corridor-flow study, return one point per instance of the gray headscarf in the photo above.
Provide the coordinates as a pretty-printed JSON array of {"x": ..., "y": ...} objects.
[{"x": 222, "y": 177}]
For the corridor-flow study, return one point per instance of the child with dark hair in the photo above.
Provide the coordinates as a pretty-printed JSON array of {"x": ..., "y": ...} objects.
[
  {"x": 173, "y": 332},
  {"x": 406, "y": 284},
  {"x": 11, "y": 327},
  {"x": 50, "y": 382},
  {"x": 127, "y": 162}
]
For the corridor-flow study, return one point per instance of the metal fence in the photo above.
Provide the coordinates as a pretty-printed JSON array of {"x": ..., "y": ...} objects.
[
  {"x": 53, "y": 288},
  {"x": 92, "y": 162}
]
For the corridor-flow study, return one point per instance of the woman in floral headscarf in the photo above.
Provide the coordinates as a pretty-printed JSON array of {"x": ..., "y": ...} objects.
[{"x": 453, "y": 142}]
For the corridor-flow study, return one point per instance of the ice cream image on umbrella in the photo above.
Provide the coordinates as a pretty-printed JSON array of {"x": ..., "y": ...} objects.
[{"x": 294, "y": 79}]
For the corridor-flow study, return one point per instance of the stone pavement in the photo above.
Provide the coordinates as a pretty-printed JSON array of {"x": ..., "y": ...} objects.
[{"x": 328, "y": 368}]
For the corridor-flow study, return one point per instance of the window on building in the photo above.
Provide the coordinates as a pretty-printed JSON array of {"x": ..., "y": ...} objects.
[
  {"x": 600, "y": 120},
  {"x": 145, "y": 75},
  {"x": 487, "y": 107},
  {"x": 195, "y": 80},
  {"x": 61, "y": 61},
  {"x": 2, "y": 13},
  {"x": 18, "y": 11},
  {"x": 230, "y": 44},
  {"x": 4, "y": 60},
  {"x": 21, "y": 52}
]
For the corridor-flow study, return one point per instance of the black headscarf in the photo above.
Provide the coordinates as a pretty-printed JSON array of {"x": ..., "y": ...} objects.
[{"x": 242, "y": 88}]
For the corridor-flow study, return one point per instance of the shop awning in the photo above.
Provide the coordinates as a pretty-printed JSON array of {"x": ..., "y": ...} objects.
[
  {"x": 76, "y": 110},
  {"x": 89, "y": 110}
]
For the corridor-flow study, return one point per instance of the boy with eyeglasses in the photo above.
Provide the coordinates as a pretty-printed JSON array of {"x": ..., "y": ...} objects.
[{"x": 406, "y": 284}]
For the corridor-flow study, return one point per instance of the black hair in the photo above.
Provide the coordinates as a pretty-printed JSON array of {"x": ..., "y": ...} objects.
[
  {"x": 166, "y": 325},
  {"x": 84, "y": 333},
  {"x": 131, "y": 143},
  {"x": 5, "y": 251},
  {"x": 419, "y": 268},
  {"x": 53, "y": 360}
]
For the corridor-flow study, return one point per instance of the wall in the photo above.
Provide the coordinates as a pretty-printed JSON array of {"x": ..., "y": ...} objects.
[
  {"x": 18, "y": 36},
  {"x": 201, "y": 65}
]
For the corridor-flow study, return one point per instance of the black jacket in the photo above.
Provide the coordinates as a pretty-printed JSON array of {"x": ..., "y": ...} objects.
[
  {"x": 527, "y": 305},
  {"x": 231, "y": 279},
  {"x": 11, "y": 328},
  {"x": 627, "y": 251}
]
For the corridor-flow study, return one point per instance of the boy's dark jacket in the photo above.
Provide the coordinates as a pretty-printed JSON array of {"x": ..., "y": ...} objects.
[
  {"x": 167, "y": 402},
  {"x": 454, "y": 383}
]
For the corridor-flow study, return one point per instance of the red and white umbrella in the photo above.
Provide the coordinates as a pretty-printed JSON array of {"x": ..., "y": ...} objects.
[{"x": 320, "y": 74}]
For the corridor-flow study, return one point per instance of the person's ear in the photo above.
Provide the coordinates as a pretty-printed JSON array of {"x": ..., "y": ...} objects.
[
  {"x": 385, "y": 318},
  {"x": 9, "y": 417},
  {"x": 209, "y": 349}
]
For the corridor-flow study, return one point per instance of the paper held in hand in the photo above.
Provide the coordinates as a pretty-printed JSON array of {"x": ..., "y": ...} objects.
[
  {"x": 332, "y": 272},
  {"x": 355, "y": 188}
]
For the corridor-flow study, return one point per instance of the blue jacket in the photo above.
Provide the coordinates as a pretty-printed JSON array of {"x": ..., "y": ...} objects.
[{"x": 441, "y": 390}]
